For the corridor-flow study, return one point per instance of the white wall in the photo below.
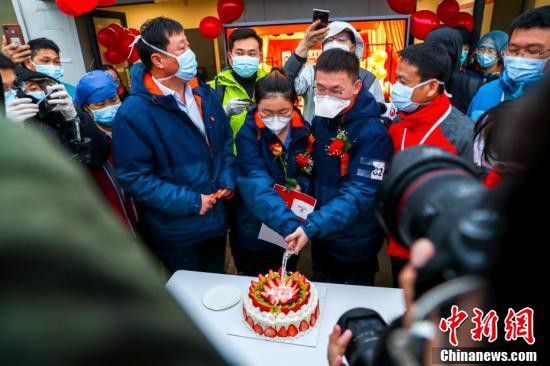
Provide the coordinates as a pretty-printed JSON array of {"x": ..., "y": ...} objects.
[{"x": 44, "y": 19}]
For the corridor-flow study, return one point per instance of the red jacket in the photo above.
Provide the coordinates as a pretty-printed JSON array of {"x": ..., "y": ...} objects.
[{"x": 436, "y": 124}]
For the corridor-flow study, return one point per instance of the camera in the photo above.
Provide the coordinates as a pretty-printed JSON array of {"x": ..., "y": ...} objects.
[{"x": 429, "y": 193}]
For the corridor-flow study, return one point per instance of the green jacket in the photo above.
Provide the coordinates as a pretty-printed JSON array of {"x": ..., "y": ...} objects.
[
  {"x": 225, "y": 83},
  {"x": 76, "y": 287}
]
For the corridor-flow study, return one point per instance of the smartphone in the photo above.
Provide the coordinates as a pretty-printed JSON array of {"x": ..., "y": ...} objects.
[
  {"x": 13, "y": 34},
  {"x": 322, "y": 15}
]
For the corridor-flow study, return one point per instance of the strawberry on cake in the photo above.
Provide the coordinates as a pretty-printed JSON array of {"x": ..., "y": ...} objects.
[{"x": 275, "y": 308}]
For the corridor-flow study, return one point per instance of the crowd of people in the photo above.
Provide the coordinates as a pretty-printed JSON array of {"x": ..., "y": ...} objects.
[{"x": 189, "y": 166}]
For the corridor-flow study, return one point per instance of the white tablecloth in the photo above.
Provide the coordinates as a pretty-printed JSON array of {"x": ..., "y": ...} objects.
[{"x": 189, "y": 287}]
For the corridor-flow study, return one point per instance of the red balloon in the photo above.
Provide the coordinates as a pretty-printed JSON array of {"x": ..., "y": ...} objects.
[
  {"x": 230, "y": 10},
  {"x": 133, "y": 31},
  {"x": 106, "y": 2},
  {"x": 80, "y": 6},
  {"x": 134, "y": 56},
  {"x": 107, "y": 37},
  {"x": 465, "y": 20},
  {"x": 402, "y": 6},
  {"x": 448, "y": 10},
  {"x": 423, "y": 22},
  {"x": 120, "y": 33},
  {"x": 210, "y": 27},
  {"x": 114, "y": 56},
  {"x": 66, "y": 9}
]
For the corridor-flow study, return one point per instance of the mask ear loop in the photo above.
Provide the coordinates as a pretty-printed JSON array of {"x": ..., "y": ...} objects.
[{"x": 135, "y": 42}]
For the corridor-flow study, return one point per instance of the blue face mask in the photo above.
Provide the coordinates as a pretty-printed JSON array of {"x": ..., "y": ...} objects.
[
  {"x": 463, "y": 57},
  {"x": 401, "y": 96},
  {"x": 53, "y": 71},
  {"x": 187, "y": 62},
  {"x": 245, "y": 66},
  {"x": 523, "y": 69},
  {"x": 106, "y": 115},
  {"x": 485, "y": 60},
  {"x": 10, "y": 96},
  {"x": 38, "y": 95}
]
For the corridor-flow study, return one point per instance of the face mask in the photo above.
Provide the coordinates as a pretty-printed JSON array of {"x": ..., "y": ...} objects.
[
  {"x": 187, "y": 62},
  {"x": 485, "y": 60},
  {"x": 53, "y": 71},
  {"x": 463, "y": 57},
  {"x": 523, "y": 69},
  {"x": 106, "y": 115},
  {"x": 401, "y": 96},
  {"x": 277, "y": 123},
  {"x": 10, "y": 96},
  {"x": 328, "y": 106},
  {"x": 245, "y": 66},
  {"x": 38, "y": 95},
  {"x": 335, "y": 44}
]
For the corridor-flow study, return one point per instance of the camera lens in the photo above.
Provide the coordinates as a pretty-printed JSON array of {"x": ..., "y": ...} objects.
[{"x": 426, "y": 191}]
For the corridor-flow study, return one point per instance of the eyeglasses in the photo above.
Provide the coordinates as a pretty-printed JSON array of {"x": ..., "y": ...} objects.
[
  {"x": 529, "y": 52},
  {"x": 322, "y": 91}
]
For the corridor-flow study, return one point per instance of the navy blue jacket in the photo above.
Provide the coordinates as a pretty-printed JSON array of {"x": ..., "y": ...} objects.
[
  {"x": 257, "y": 171},
  {"x": 343, "y": 220},
  {"x": 163, "y": 160}
]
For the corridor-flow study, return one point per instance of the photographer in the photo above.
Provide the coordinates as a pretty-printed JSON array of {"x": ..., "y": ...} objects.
[
  {"x": 482, "y": 266},
  {"x": 54, "y": 113}
]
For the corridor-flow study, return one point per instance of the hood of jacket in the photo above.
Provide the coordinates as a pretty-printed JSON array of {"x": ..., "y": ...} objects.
[
  {"x": 337, "y": 27},
  {"x": 448, "y": 39}
]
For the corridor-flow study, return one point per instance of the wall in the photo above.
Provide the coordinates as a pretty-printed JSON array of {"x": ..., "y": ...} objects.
[
  {"x": 188, "y": 12},
  {"x": 43, "y": 19}
]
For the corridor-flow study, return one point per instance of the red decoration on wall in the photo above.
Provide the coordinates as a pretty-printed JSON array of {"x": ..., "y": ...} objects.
[
  {"x": 402, "y": 6},
  {"x": 465, "y": 20},
  {"x": 423, "y": 22},
  {"x": 210, "y": 27},
  {"x": 448, "y": 10},
  {"x": 230, "y": 10},
  {"x": 118, "y": 41}
]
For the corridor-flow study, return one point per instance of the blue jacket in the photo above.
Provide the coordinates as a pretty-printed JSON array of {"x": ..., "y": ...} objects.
[
  {"x": 163, "y": 160},
  {"x": 344, "y": 221},
  {"x": 488, "y": 96},
  {"x": 257, "y": 171}
]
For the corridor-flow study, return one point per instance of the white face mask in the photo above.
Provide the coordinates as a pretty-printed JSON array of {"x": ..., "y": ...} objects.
[
  {"x": 335, "y": 44},
  {"x": 328, "y": 106},
  {"x": 401, "y": 96},
  {"x": 276, "y": 124}
]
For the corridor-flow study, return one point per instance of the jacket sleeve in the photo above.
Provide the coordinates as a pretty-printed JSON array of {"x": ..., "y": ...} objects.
[
  {"x": 256, "y": 188},
  {"x": 134, "y": 168},
  {"x": 227, "y": 179},
  {"x": 302, "y": 74},
  {"x": 357, "y": 195},
  {"x": 376, "y": 91}
]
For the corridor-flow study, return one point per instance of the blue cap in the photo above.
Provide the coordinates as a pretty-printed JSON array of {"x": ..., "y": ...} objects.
[
  {"x": 95, "y": 87},
  {"x": 494, "y": 39}
]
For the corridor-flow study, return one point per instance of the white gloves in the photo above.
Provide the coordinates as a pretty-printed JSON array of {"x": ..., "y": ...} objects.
[
  {"x": 235, "y": 106},
  {"x": 62, "y": 101},
  {"x": 21, "y": 109}
]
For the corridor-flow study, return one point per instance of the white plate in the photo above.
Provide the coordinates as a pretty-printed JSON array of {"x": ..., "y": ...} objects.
[{"x": 221, "y": 297}]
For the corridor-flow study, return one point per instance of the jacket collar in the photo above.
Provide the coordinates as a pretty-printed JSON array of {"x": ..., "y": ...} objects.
[
  {"x": 297, "y": 124},
  {"x": 426, "y": 116}
]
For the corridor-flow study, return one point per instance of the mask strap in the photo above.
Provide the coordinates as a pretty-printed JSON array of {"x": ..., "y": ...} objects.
[{"x": 138, "y": 38}]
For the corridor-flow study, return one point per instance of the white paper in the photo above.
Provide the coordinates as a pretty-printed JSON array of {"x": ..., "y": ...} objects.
[{"x": 300, "y": 208}]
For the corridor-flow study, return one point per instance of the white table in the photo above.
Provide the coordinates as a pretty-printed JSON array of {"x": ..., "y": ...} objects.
[{"x": 188, "y": 288}]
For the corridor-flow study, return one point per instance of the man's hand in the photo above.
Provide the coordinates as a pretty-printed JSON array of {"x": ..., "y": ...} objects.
[
  {"x": 21, "y": 109},
  {"x": 297, "y": 240},
  {"x": 15, "y": 52},
  {"x": 62, "y": 101},
  {"x": 235, "y": 106},
  {"x": 225, "y": 193},
  {"x": 207, "y": 203},
  {"x": 337, "y": 343},
  {"x": 311, "y": 39}
]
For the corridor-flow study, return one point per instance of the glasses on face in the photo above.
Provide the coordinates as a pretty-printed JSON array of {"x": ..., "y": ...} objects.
[
  {"x": 530, "y": 52},
  {"x": 322, "y": 91}
]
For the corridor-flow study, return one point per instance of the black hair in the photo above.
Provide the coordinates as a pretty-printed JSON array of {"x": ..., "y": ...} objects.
[
  {"x": 335, "y": 60},
  {"x": 465, "y": 34},
  {"x": 430, "y": 61},
  {"x": 157, "y": 32},
  {"x": 244, "y": 33},
  {"x": 6, "y": 63},
  {"x": 42, "y": 44},
  {"x": 533, "y": 18},
  {"x": 275, "y": 83}
]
